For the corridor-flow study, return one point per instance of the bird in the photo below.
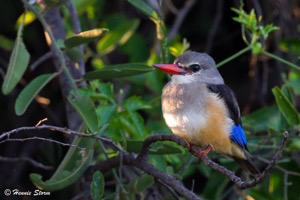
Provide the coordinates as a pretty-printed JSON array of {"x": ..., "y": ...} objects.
[{"x": 202, "y": 110}]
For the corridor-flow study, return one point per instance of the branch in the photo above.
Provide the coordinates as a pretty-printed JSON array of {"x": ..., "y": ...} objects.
[
  {"x": 126, "y": 158},
  {"x": 180, "y": 17},
  {"x": 141, "y": 162},
  {"x": 129, "y": 159},
  {"x": 215, "y": 26},
  {"x": 40, "y": 60},
  {"x": 242, "y": 184},
  {"x": 25, "y": 159},
  {"x": 6, "y": 135}
]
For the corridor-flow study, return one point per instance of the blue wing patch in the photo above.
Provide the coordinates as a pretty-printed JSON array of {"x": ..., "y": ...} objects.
[{"x": 238, "y": 136}]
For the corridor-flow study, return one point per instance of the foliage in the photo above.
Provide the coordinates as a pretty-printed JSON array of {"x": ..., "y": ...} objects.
[{"x": 121, "y": 102}]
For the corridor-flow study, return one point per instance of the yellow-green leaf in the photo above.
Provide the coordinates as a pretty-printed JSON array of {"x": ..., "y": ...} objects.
[
  {"x": 118, "y": 36},
  {"x": 84, "y": 37}
]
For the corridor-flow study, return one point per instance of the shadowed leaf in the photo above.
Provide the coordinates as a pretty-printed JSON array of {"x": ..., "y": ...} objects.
[
  {"x": 30, "y": 91},
  {"x": 286, "y": 108},
  {"x": 18, "y": 63},
  {"x": 97, "y": 186},
  {"x": 118, "y": 71}
]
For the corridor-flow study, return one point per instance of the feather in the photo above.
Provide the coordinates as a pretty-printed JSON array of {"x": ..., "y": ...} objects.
[
  {"x": 237, "y": 132},
  {"x": 247, "y": 165}
]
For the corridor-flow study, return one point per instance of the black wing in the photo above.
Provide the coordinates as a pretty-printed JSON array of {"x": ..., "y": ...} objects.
[{"x": 230, "y": 100}]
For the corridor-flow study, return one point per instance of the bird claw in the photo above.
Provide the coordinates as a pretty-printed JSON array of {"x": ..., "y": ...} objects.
[{"x": 200, "y": 152}]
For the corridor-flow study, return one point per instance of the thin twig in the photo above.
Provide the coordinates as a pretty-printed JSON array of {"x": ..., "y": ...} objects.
[
  {"x": 40, "y": 138},
  {"x": 6, "y": 135},
  {"x": 40, "y": 60},
  {"x": 180, "y": 17},
  {"x": 215, "y": 26},
  {"x": 25, "y": 159}
]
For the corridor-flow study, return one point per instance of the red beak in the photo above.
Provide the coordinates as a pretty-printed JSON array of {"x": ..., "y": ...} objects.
[{"x": 170, "y": 68}]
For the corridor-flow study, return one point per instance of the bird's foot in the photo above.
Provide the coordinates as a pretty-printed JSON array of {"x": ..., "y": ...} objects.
[{"x": 200, "y": 152}]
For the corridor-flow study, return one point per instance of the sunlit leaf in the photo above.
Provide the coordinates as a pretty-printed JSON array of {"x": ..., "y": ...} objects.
[
  {"x": 118, "y": 36},
  {"x": 29, "y": 17},
  {"x": 30, "y": 91},
  {"x": 97, "y": 185},
  {"x": 286, "y": 108},
  {"x": 84, "y": 37},
  {"x": 118, "y": 71},
  {"x": 18, "y": 63}
]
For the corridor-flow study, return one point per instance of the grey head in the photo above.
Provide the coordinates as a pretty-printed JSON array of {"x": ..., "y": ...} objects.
[{"x": 200, "y": 67}]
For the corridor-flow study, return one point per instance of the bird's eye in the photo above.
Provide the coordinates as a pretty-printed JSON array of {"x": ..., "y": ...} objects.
[{"x": 195, "y": 67}]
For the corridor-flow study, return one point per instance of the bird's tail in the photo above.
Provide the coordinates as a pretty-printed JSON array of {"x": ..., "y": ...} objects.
[{"x": 247, "y": 165}]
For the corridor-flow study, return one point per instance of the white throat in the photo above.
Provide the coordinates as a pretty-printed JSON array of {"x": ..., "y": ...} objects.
[{"x": 183, "y": 79}]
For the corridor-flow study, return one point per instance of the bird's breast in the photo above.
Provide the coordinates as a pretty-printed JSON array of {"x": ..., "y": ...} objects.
[
  {"x": 198, "y": 116},
  {"x": 184, "y": 114}
]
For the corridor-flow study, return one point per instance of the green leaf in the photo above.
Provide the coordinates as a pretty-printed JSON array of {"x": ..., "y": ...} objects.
[
  {"x": 85, "y": 107},
  {"x": 71, "y": 168},
  {"x": 97, "y": 186},
  {"x": 84, "y": 37},
  {"x": 286, "y": 90},
  {"x": 294, "y": 81},
  {"x": 291, "y": 45},
  {"x": 119, "y": 36},
  {"x": 135, "y": 103},
  {"x": 6, "y": 43},
  {"x": 106, "y": 113},
  {"x": 118, "y": 71},
  {"x": 264, "y": 119},
  {"x": 74, "y": 54},
  {"x": 159, "y": 148},
  {"x": 143, "y": 7},
  {"x": 18, "y": 63},
  {"x": 143, "y": 182},
  {"x": 286, "y": 108},
  {"x": 136, "y": 122},
  {"x": 294, "y": 144},
  {"x": 30, "y": 91}
]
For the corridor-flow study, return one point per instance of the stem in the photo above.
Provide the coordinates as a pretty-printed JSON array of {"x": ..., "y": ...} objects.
[
  {"x": 54, "y": 45},
  {"x": 234, "y": 56},
  {"x": 290, "y": 64}
]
